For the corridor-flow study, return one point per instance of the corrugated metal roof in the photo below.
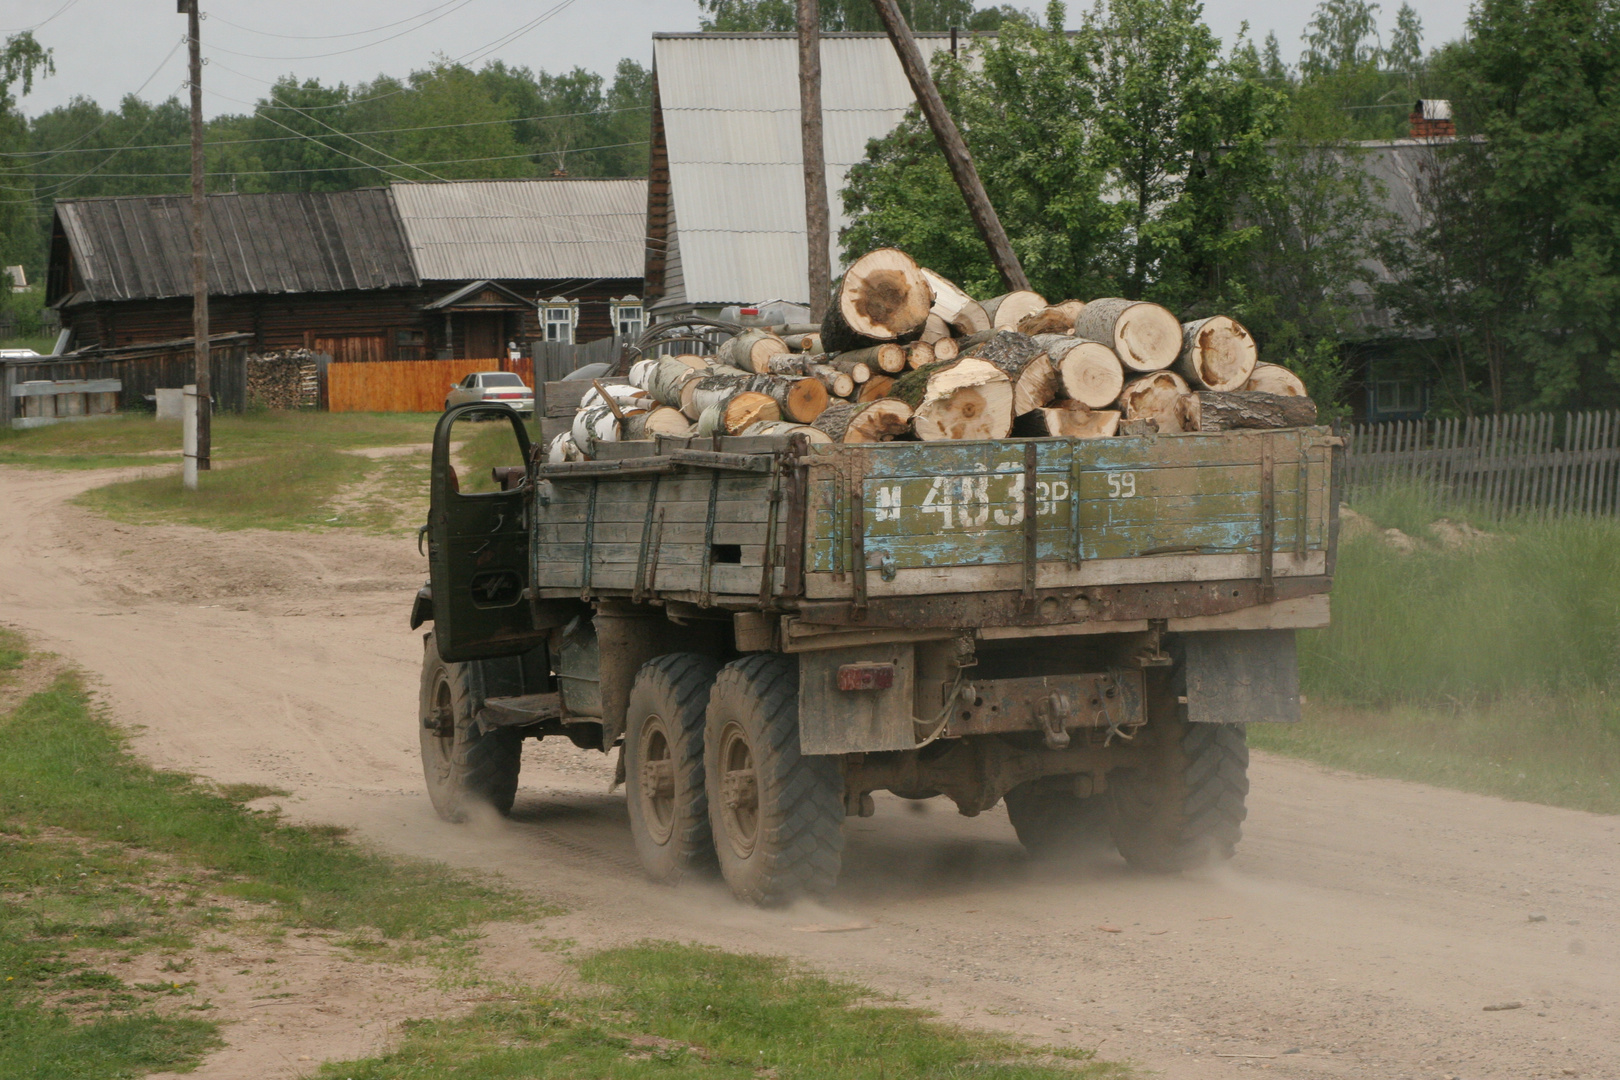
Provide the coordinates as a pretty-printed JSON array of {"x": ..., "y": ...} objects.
[
  {"x": 561, "y": 228},
  {"x": 731, "y": 120},
  {"x": 139, "y": 247}
]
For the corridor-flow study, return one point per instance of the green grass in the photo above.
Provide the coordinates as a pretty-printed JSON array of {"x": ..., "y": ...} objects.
[
  {"x": 1493, "y": 666},
  {"x": 485, "y": 445},
  {"x": 137, "y": 439},
  {"x": 40, "y": 343},
  {"x": 674, "y": 1011}
]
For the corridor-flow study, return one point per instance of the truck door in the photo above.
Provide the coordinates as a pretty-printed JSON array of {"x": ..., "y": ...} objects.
[{"x": 478, "y": 535}]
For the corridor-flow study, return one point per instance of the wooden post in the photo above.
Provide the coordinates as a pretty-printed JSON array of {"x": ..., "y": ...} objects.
[
  {"x": 815, "y": 158},
  {"x": 951, "y": 144},
  {"x": 199, "y": 249}
]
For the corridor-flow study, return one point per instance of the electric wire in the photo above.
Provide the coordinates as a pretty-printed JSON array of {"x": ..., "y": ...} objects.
[
  {"x": 342, "y": 52},
  {"x": 328, "y": 37}
]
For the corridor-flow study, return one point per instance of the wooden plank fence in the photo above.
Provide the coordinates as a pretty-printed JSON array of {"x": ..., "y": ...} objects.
[
  {"x": 406, "y": 385},
  {"x": 1539, "y": 463}
]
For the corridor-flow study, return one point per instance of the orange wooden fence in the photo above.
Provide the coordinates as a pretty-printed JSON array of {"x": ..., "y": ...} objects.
[{"x": 406, "y": 385}]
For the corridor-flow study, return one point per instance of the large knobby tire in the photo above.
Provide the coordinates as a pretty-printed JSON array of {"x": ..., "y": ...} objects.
[
  {"x": 463, "y": 767},
  {"x": 663, "y": 765},
  {"x": 777, "y": 814},
  {"x": 1186, "y": 808},
  {"x": 1053, "y": 822}
]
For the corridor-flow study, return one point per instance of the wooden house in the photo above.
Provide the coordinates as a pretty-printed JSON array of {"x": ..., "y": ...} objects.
[{"x": 414, "y": 271}]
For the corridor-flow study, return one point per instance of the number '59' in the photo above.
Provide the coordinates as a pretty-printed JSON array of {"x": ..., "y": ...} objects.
[{"x": 1121, "y": 485}]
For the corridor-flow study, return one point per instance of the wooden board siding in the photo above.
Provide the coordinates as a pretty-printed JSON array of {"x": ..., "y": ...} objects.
[
  {"x": 408, "y": 386},
  {"x": 932, "y": 510},
  {"x": 295, "y": 320}
]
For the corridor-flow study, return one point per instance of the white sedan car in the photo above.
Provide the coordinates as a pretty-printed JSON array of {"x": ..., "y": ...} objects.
[{"x": 501, "y": 386}]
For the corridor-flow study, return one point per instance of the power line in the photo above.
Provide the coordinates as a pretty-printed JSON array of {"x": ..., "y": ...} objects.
[
  {"x": 329, "y": 37},
  {"x": 294, "y": 138},
  {"x": 459, "y": 4},
  {"x": 49, "y": 18},
  {"x": 108, "y": 118}
]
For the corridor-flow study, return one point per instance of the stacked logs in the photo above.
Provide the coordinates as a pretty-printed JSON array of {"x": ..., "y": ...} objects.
[{"x": 904, "y": 353}]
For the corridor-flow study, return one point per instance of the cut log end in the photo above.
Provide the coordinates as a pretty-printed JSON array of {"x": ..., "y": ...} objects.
[
  {"x": 1069, "y": 420},
  {"x": 882, "y": 420},
  {"x": 1216, "y": 353},
  {"x": 1275, "y": 379},
  {"x": 884, "y": 295},
  {"x": 1091, "y": 374},
  {"x": 1155, "y": 397},
  {"x": 970, "y": 399},
  {"x": 1146, "y": 337}
]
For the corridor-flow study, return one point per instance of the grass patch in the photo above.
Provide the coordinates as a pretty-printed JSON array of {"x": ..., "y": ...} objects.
[
  {"x": 290, "y": 489},
  {"x": 484, "y": 445},
  {"x": 1491, "y": 665},
  {"x": 679, "y": 1011},
  {"x": 138, "y": 439},
  {"x": 12, "y": 653}
]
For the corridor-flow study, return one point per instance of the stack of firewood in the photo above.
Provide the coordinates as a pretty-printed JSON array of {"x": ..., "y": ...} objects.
[{"x": 904, "y": 353}]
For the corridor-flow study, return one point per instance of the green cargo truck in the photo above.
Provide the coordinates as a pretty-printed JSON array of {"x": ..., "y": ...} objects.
[{"x": 770, "y": 631}]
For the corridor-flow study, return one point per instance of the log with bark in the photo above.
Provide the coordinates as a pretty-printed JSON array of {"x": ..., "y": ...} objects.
[
  {"x": 953, "y": 307},
  {"x": 1217, "y": 353},
  {"x": 958, "y": 399},
  {"x": 626, "y": 397},
  {"x": 853, "y": 368},
  {"x": 694, "y": 361},
  {"x": 1008, "y": 309},
  {"x": 789, "y": 364},
  {"x": 883, "y": 420},
  {"x": 1155, "y": 397},
  {"x": 1026, "y": 365},
  {"x": 1055, "y": 319},
  {"x": 660, "y": 420},
  {"x": 730, "y": 414},
  {"x": 919, "y": 353},
  {"x": 1085, "y": 371},
  {"x": 1145, "y": 337},
  {"x": 1275, "y": 379},
  {"x": 786, "y": 427},
  {"x": 562, "y": 449},
  {"x": 877, "y": 386},
  {"x": 750, "y": 350},
  {"x": 886, "y": 356},
  {"x": 1069, "y": 420},
  {"x": 598, "y": 424},
  {"x": 883, "y": 296},
  {"x": 668, "y": 377},
  {"x": 1209, "y": 410},
  {"x": 837, "y": 383}
]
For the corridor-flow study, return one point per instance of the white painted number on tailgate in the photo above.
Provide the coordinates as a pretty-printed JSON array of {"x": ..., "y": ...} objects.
[{"x": 1121, "y": 485}]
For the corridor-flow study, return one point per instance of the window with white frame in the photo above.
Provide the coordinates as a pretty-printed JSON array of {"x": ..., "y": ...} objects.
[
  {"x": 627, "y": 316},
  {"x": 560, "y": 316}
]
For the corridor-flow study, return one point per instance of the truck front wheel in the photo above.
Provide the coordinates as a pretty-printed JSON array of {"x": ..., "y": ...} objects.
[
  {"x": 463, "y": 766},
  {"x": 1186, "y": 807},
  {"x": 663, "y": 757},
  {"x": 777, "y": 814}
]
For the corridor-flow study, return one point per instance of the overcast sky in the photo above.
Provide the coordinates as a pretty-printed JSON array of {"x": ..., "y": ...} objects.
[{"x": 105, "y": 49}]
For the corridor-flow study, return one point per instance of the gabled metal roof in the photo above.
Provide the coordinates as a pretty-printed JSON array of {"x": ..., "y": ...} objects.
[
  {"x": 139, "y": 247},
  {"x": 525, "y": 229},
  {"x": 730, "y": 107}
]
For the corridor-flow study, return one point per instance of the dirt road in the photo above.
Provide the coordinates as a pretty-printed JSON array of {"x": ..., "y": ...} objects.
[{"x": 1362, "y": 930}]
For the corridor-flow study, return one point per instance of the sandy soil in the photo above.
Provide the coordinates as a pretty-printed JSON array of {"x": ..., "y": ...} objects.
[{"x": 1362, "y": 930}]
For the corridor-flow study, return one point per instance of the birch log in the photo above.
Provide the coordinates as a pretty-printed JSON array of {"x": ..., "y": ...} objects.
[
  {"x": 800, "y": 400},
  {"x": 731, "y": 414},
  {"x": 1008, "y": 309},
  {"x": 751, "y": 350},
  {"x": 1275, "y": 379},
  {"x": 595, "y": 425},
  {"x": 853, "y": 368},
  {"x": 1155, "y": 397},
  {"x": 1216, "y": 354},
  {"x": 789, "y": 364},
  {"x": 1069, "y": 420},
  {"x": 887, "y": 357},
  {"x": 668, "y": 377},
  {"x": 959, "y": 399},
  {"x": 875, "y": 421},
  {"x": 659, "y": 420},
  {"x": 918, "y": 354},
  {"x": 625, "y": 397},
  {"x": 1026, "y": 366},
  {"x": 883, "y": 296},
  {"x": 953, "y": 307},
  {"x": 1056, "y": 319},
  {"x": 785, "y": 427},
  {"x": 1084, "y": 371},
  {"x": 1211, "y": 410},
  {"x": 1145, "y": 337},
  {"x": 837, "y": 383},
  {"x": 562, "y": 449}
]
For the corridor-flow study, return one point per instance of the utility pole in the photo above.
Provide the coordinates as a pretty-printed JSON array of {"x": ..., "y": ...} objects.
[
  {"x": 951, "y": 144},
  {"x": 199, "y": 249},
  {"x": 815, "y": 157}
]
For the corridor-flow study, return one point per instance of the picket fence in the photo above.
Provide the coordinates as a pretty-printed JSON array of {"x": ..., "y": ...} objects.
[{"x": 1540, "y": 463}]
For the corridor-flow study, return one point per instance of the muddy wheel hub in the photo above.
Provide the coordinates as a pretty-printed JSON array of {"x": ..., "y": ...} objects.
[{"x": 739, "y": 790}]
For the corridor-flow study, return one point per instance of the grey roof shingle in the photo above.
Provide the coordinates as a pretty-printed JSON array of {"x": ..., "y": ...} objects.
[
  {"x": 525, "y": 229},
  {"x": 139, "y": 247}
]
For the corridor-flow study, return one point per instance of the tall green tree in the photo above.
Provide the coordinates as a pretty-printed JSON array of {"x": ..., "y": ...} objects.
[{"x": 21, "y": 61}]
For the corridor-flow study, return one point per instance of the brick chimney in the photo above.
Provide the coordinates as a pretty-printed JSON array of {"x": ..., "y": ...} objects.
[{"x": 1431, "y": 119}]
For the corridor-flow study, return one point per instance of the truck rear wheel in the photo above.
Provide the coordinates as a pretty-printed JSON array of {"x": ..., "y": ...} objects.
[
  {"x": 663, "y": 757},
  {"x": 463, "y": 766},
  {"x": 777, "y": 814},
  {"x": 1053, "y": 822},
  {"x": 1186, "y": 809}
]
